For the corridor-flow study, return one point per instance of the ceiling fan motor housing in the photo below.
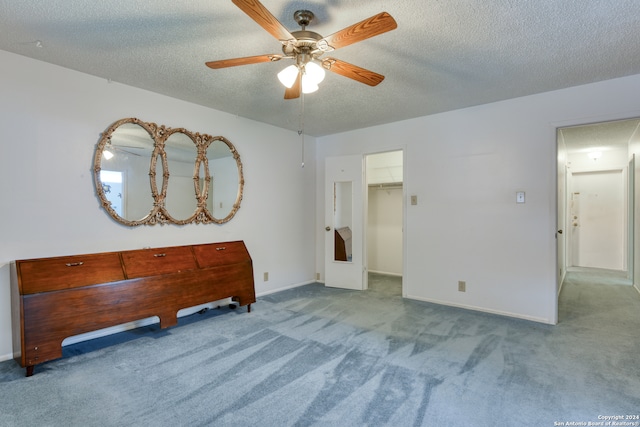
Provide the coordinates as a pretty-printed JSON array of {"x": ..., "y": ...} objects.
[
  {"x": 304, "y": 45},
  {"x": 303, "y": 17},
  {"x": 304, "y": 42}
]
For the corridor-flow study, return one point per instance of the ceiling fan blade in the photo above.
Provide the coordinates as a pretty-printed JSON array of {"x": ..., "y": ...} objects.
[
  {"x": 294, "y": 91},
  {"x": 264, "y": 18},
  {"x": 224, "y": 63},
  {"x": 352, "y": 71},
  {"x": 376, "y": 25}
]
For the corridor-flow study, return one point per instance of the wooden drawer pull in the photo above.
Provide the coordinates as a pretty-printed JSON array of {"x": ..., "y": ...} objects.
[
  {"x": 221, "y": 249},
  {"x": 74, "y": 264},
  {"x": 159, "y": 255}
]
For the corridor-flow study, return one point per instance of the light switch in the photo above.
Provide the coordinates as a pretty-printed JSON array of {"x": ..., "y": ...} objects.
[
  {"x": 414, "y": 200},
  {"x": 520, "y": 197}
]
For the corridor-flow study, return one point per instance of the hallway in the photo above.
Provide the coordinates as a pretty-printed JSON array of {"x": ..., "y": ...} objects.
[{"x": 600, "y": 299}]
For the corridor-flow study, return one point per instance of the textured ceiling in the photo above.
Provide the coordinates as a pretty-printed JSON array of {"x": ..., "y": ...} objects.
[
  {"x": 444, "y": 55},
  {"x": 615, "y": 135}
]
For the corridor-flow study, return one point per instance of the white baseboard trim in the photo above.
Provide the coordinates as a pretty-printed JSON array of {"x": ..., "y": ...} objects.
[
  {"x": 484, "y": 310},
  {"x": 386, "y": 273},
  {"x": 284, "y": 288}
]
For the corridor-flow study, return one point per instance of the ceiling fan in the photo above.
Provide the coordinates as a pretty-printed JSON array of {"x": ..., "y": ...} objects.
[{"x": 307, "y": 47}]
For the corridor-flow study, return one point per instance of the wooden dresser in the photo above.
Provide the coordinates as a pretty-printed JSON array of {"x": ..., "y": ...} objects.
[{"x": 56, "y": 298}]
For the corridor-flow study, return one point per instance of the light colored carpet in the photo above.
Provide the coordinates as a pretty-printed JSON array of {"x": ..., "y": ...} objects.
[{"x": 329, "y": 357}]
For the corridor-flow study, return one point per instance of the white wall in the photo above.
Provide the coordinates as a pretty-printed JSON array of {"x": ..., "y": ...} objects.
[
  {"x": 465, "y": 167},
  {"x": 384, "y": 230},
  {"x": 51, "y": 119}
]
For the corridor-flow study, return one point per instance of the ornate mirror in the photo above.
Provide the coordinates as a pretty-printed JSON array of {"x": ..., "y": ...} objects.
[
  {"x": 146, "y": 174},
  {"x": 225, "y": 180},
  {"x": 181, "y": 196},
  {"x": 123, "y": 180}
]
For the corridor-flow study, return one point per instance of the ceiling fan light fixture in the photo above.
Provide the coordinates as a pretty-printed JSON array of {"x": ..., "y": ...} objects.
[
  {"x": 308, "y": 86},
  {"x": 288, "y": 76},
  {"x": 314, "y": 72}
]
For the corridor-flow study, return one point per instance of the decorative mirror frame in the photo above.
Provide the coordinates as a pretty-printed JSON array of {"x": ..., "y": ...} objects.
[{"x": 158, "y": 213}]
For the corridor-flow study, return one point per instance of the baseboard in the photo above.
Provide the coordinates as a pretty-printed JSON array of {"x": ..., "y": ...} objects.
[
  {"x": 284, "y": 288},
  {"x": 5, "y": 357},
  {"x": 386, "y": 273},
  {"x": 463, "y": 306},
  {"x": 484, "y": 310}
]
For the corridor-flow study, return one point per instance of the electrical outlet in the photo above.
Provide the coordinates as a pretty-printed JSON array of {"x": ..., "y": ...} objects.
[
  {"x": 317, "y": 276},
  {"x": 462, "y": 286},
  {"x": 266, "y": 276}
]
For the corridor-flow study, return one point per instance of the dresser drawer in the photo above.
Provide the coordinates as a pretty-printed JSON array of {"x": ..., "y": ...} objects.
[
  {"x": 155, "y": 262},
  {"x": 52, "y": 274},
  {"x": 216, "y": 254}
]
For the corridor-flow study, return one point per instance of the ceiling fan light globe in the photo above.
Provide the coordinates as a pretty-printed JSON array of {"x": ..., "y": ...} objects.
[
  {"x": 308, "y": 86},
  {"x": 288, "y": 76},
  {"x": 314, "y": 72}
]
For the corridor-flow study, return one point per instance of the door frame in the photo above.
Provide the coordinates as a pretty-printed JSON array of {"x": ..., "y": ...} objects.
[
  {"x": 554, "y": 131},
  {"x": 365, "y": 218},
  {"x": 631, "y": 210},
  {"x": 404, "y": 210}
]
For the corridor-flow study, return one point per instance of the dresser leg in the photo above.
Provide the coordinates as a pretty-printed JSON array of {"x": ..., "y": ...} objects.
[
  {"x": 30, "y": 370},
  {"x": 248, "y": 308}
]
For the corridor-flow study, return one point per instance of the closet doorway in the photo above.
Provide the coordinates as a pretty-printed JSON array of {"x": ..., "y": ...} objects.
[{"x": 385, "y": 214}]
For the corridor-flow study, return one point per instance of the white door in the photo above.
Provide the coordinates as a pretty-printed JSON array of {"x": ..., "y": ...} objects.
[
  {"x": 344, "y": 223},
  {"x": 598, "y": 220}
]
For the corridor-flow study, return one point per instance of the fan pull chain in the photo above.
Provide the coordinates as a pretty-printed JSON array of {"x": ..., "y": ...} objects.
[{"x": 301, "y": 127}]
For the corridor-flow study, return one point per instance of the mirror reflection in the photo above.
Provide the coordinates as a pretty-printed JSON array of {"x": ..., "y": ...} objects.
[
  {"x": 224, "y": 179},
  {"x": 150, "y": 174},
  {"x": 125, "y": 174},
  {"x": 180, "y": 200},
  {"x": 342, "y": 220}
]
